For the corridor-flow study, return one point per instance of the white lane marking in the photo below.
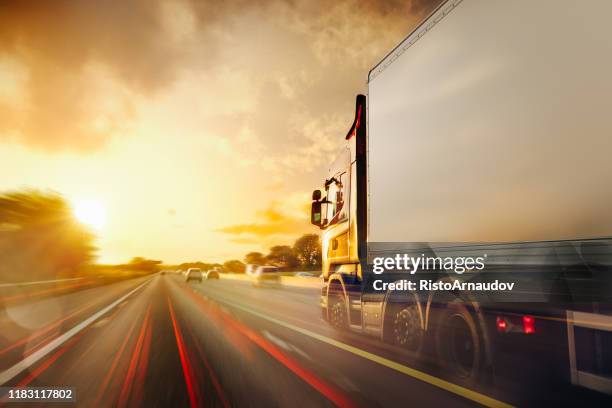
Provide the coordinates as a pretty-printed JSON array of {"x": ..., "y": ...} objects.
[
  {"x": 411, "y": 372},
  {"x": 8, "y": 285},
  {"x": 285, "y": 344},
  {"x": 35, "y": 357},
  {"x": 279, "y": 342}
]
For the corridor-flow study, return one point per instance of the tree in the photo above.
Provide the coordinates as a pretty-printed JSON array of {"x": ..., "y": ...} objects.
[
  {"x": 307, "y": 248},
  {"x": 282, "y": 256},
  {"x": 233, "y": 266},
  {"x": 40, "y": 238},
  {"x": 198, "y": 264},
  {"x": 256, "y": 258},
  {"x": 143, "y": 264}
]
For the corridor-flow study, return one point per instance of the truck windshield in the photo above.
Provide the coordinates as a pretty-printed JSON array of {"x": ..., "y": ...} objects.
[
  {"x": 336, "y": 195},
  {"x": 338, "y": 190}
]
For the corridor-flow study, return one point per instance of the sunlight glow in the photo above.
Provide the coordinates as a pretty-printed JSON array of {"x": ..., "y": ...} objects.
[{"x": 91, "y": 213}]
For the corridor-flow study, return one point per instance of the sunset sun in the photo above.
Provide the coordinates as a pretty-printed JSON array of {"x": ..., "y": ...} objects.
[{"x": 91, "y": 213}]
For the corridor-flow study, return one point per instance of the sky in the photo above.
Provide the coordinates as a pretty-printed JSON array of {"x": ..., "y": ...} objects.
[{"x": 200, "y": 128}]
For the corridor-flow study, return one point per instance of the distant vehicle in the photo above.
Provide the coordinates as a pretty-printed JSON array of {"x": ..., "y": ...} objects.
[
  {"x": 304, "y": 274},
  {"x": 266, "y": 275},
  {"x": 250, "y": 269},
  {"x": 266, "y": 269},
  {"x": 162, "y": 273},
  {"x": 193, "y": 274},
  {"x": 212, "y": 274}
]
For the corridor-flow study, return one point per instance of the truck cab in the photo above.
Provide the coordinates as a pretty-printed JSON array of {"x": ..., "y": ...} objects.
[{"x": 334, "y": 209}]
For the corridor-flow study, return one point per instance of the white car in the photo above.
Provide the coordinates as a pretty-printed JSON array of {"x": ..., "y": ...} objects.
[
  {"x": 193, "y": 274},
  {"x": 250, "y": 269},
  {"x": 266, "y": 275},
  {"x": 266, "y": 269},
  {"x": 304, "y": 274}
]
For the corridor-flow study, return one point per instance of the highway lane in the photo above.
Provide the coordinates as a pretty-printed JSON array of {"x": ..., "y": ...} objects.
[
  {"x": 199, "y": 344},
  {"x": 359, "y": 364},
  {"x": 160, "y": 348},
  {"x": 26, "y": 326}
]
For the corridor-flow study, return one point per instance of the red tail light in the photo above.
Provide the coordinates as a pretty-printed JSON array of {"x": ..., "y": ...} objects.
[
  {"x": 502, "y": 324},
  {"x": 515, "y": 324},
  {"x": 528, "y": 325}
]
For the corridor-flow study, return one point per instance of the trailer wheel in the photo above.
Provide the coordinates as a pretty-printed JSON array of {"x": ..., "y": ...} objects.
[
  {"x": 458, "y": 343},
  {"x": 407, "y": 331},
  {"x": 337, "y": 312}
]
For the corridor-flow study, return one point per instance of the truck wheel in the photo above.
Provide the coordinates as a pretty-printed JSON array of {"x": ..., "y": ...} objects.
[
  {"x": 337, "y": 312},
  {"x": 407, "y": 330},
  {"x": 458, "y": 343}
]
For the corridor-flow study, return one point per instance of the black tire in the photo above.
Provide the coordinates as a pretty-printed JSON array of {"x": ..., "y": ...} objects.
[
  {"x": 405, "y": 330},
  {"x": 459, "y": 344},
  {"x": 337, "y": 313}
]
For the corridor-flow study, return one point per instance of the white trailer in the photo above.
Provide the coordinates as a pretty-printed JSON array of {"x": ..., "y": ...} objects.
[{"x": 492, "y": 123}]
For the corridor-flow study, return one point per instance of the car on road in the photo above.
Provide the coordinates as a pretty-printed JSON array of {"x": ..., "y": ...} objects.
[
  {"x": 193, "y": 274},
  {"x": 266, "y": 275},
  {"x": 250, "y": 269},
  {"x": 212, "y": 274},
  {"x": 304, "y": 274}
]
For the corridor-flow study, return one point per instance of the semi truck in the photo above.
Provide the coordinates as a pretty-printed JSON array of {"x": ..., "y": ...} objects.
[{"x": 486, "y": 132}]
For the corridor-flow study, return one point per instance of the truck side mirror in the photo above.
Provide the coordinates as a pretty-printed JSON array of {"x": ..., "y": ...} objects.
[{"x": 315, "y": 213}]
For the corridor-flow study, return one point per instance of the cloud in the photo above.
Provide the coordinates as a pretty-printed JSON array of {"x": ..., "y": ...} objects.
[
  {"x": 243, "y": 101},
  {"x": 83, "y": 68},
  {"x": 281, "y": 222},
  {"x": 271, "y": 223},
  {"x": 353, "y": 30},
  {"x": 70, "y": 51},
  {"x": 304, "y": 62}
]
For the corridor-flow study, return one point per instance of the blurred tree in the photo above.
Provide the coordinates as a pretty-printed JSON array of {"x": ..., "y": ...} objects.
[
  {"x": 256, "y": 258},
  {"x": 142, "y": 264},
  {"x": 307, "y": 248},
  {"x": 282, "y": 256},
  {"x": 202, "y": 265},
  {"x": 234, "y": 266},
  {"x": 39, "y": 237}
]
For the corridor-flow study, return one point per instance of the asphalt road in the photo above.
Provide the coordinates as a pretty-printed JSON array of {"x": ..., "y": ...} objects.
[{"x": 217, "y": 343}]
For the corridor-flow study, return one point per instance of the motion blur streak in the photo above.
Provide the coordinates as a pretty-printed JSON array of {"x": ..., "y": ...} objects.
[
  {"x": 22, "y": 296},
  {"x": 136, "y": 353},
  {"x": 142, "y": 368},
  {"x": 47, "y": 363},
  {"x": 44, "y": 330},
  {"x": 75, "y": 366},
  {"x": 411, "y": 372},
  {"x": 115, "y": 363},
  {"x": 310, "y": 378},
  {"x": 210, "y": 370},
  {"x": 187, "y": 370}
]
